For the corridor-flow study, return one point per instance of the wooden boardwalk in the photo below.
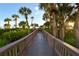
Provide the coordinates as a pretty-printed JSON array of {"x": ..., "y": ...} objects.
[
  {"x": 39, "y": 47},
  {"x": 39, "y": 43}
]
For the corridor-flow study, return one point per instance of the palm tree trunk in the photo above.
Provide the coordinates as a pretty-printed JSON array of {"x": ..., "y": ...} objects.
[
  {"x": 76, "y": 28},
  {"x": 28, "y": 26},
  {"x": 61, "y": 28},
  {"x": 16, "y": 23},
  {"x": 53, "y": 25},
  {"x": 8, "y": 25}
]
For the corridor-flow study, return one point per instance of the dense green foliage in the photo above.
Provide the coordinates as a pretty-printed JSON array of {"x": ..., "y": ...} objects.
[
  {"x": 12, "y": 35},
  {"x": 48, "y": 30},
  {"x": 70, "y": 37}
]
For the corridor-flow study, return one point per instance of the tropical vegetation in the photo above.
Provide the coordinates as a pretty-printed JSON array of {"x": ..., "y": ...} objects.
[{"x": 56, "y": 16}]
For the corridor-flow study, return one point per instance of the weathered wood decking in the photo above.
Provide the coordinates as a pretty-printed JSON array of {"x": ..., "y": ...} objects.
[{"x": 39, "y": 47}]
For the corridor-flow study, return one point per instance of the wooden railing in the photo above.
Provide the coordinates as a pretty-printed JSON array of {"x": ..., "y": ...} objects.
[
  {"x": 61, "y": 48},
  {"x": 17, "y": 47}
]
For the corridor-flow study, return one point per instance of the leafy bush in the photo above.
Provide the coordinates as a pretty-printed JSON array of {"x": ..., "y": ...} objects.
[
  {"x": 70, "y": 38},
  {"x": 1, "y": 31},
  {"x": 48, "y": 30},
  {"x": 8, "y": 37},
  {"x": 3, "y": 42}
]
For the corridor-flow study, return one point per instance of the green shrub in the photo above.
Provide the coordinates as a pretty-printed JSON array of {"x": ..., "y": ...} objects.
[
  {"x": 48, "y": 30},
  {"x": 3, "y": 42},
  {"x": 8, "y": 37},
  {"x": 70, "y": 38},
  {"x": 1, "y": 31}
]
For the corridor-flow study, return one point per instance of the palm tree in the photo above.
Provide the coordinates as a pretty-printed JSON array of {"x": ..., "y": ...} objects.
[
  {"x": 47, "y": 24},
  {"x": 25, "y": 11},
  {"x": 22, "y": 24},
  {"x": 32, "y": 20},
  {"x": 8, "y": 22},
  {"x": 51, "y": 9},
  {"x": 46, "y": 16},
  {"x": 76, "y": 26},
  {"x": 6, "y": 26},
  {"x": 34, "y": 25},
  {"x": 64, "y": 11},
  {"x": 15, "y": 19}
]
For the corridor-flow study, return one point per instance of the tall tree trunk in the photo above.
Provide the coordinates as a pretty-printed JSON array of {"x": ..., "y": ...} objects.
[
  {"x": 27, "y": 25},
  {"x": 8, "y": 25},
  {"x": 76, "y": 27},
  {"x": 53, "y": 25},
  {"x": 16, "y": 23},
  {"x": 61, "y": 28}
]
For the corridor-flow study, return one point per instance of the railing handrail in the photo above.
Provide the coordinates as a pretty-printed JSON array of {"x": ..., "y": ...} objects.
[
  {"x": 72, "y": 48},
  {"x": 6, "y": 47},
  {"x": 68, "y": 45}
]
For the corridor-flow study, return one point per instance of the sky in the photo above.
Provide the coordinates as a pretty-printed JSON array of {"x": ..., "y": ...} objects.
[{"x": 8, "y": 9}]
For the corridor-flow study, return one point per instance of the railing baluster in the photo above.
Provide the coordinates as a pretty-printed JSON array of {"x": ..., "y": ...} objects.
[
  {"x": 10, "y": 53},
  {"x": 65, "y": 52},
  {"x": 15, "y": 50}
]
